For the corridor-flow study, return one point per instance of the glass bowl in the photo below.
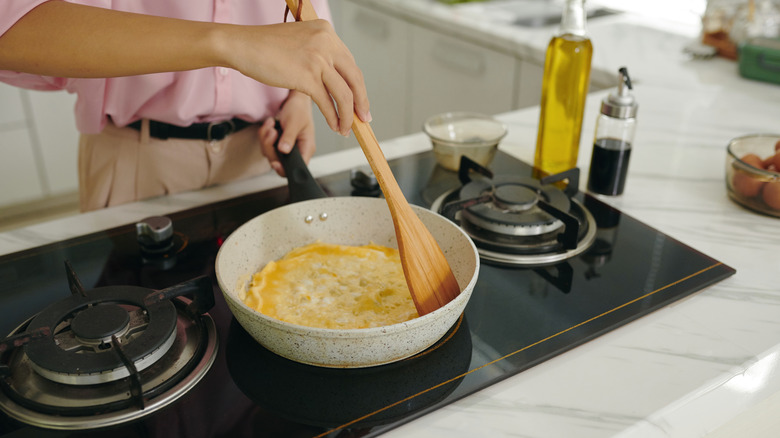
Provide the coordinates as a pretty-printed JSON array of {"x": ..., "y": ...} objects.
[
  {"x": 753, "y": 172},
  {"x": 462, "y": 133}
]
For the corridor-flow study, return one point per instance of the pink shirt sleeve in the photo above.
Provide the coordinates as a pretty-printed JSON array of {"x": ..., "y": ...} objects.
[{"x": 10, "y": 12}]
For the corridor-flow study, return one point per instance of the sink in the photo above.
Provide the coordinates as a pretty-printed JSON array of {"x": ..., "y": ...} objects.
[{"x": 537, "y": 13}]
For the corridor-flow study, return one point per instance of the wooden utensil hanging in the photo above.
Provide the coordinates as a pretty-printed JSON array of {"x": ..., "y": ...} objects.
[{"x": 428, "y": 274}]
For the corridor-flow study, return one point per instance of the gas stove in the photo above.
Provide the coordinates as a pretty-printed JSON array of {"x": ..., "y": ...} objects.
[{"x": 560, "y": 268}]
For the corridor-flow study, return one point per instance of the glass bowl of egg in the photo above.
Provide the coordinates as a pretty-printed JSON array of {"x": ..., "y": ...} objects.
[
  {"x": 753, "y": 172},
  {"x": 456, "y": 134}
]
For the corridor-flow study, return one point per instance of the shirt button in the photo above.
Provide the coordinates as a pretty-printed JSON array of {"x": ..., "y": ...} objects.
[{"x": 223, "y": 71}]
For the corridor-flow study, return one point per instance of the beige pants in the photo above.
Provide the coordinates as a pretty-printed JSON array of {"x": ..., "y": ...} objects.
[{"x": 122, "y": 165}]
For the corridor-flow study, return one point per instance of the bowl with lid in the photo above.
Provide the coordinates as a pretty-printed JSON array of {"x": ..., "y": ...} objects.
[
  {"x": 753, "y": 172},
  {"x": 455, "y": 134}
]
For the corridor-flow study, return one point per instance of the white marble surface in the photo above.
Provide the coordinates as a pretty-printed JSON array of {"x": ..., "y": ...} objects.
[{"x": 705, "y": 365}]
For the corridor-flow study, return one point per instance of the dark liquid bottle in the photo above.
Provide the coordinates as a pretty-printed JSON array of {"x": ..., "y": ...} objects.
[
  {"x": 609, "y": 166},
  {"x": 612, "y": 143}
]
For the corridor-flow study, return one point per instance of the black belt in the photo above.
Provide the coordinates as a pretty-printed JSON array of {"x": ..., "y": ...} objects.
[{"x": 213, "y": 131}]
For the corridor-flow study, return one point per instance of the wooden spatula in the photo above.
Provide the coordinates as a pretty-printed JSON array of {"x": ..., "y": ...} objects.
[{"x": 428, "y": 275}]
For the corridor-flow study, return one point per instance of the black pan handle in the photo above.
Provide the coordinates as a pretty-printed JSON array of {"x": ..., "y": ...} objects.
[{"x": 300, "y": 182}]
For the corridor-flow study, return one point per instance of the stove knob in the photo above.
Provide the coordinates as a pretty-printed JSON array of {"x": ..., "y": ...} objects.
[
  {"x": 155, "y": 234},
  {"x": 364, "y": 183}
]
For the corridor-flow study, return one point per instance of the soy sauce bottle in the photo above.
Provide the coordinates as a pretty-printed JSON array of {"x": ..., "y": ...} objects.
[{"x": 615, "y": 129}]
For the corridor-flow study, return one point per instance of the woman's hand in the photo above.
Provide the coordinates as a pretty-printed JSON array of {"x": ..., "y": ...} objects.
[
  {"x": 304, "y": 56},
  {"x": 297, "y": 127}
]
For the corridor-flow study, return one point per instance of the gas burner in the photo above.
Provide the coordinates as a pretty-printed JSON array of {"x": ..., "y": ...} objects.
[
  {"x": 85, "y": 328},
  {"x": 518, "y": 220},
  {"x": 109, "y": 355}
]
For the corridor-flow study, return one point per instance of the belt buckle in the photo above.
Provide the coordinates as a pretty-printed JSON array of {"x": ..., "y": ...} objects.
[{"x": 230, "y": 128}]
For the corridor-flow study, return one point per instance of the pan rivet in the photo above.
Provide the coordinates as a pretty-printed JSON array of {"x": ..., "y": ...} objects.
[
  {"x": 309, "y": 219},
  {"x": 323, "y": 216}
]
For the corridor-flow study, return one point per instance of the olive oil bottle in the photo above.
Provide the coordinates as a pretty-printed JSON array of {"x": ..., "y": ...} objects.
[{"x": 564, "y": 88}]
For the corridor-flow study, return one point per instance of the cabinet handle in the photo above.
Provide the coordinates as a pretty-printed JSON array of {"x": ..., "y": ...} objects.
[
  {"x": 459, "y": 58},
  {"x": 371, "y": 25}
]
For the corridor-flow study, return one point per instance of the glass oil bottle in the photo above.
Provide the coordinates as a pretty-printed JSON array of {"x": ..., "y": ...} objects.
[{"x": 564, "y": 88}]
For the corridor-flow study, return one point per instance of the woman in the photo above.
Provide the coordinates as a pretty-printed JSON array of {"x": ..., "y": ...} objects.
[{"x": 172, "y": 94}]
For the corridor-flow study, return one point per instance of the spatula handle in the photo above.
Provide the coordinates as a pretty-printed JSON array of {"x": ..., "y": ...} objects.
[
  {"x": 376, "y": 159},
  {"x": 307, "y": 10}
]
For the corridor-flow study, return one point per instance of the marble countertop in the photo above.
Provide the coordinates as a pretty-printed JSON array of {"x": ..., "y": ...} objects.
[{"x": 704, "y": 366}]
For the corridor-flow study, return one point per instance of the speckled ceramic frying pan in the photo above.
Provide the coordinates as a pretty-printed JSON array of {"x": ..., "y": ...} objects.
[{"x": 346, "y": 221}]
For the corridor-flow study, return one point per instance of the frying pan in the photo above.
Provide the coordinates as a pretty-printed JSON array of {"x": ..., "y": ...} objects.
[{"x": 345, "y": 221}]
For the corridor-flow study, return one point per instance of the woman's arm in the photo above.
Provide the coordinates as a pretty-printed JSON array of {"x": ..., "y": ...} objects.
[{"x": 70, "y": 40}]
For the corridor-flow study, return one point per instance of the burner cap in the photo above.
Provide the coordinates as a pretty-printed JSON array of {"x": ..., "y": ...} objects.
[
  {"x": 513, "y": 209},
  {"x": 515, "y": 197},
  {"x": 98, "y": 323}
]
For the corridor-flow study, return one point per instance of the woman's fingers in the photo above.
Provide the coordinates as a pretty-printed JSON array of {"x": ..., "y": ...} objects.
[
  {"x": 355, "y": 82},
  {"x": 267, "y": 135},
  {"x": 327, "y": 107},
  {"x": 297, "y": 129},
  {"x": 339, "y": 91}
]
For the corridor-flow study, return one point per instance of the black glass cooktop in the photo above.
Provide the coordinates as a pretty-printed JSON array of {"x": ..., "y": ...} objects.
[{"x": 516, "y": 318}]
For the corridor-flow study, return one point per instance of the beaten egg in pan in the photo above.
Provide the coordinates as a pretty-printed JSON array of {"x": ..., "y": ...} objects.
[{"x": 334, "y": 286}]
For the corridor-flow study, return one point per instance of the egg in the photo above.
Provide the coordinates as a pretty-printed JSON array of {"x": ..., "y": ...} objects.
[
  {"x": 771, "y": 195},
  {"x": 775, "y": 162},
  {"x": 744, "y": 184},
  {"x": 753, "y": 160},
  {"x": 334, "y": 286}
]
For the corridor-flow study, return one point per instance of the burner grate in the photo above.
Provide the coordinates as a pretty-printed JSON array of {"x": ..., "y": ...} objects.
[
  {"x": 69, "y": 358},
  {"x": 519, "y": 220}
]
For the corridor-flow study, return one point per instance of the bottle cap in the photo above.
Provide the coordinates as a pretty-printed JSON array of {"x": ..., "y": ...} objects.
[{"x": 621, "y": 105}]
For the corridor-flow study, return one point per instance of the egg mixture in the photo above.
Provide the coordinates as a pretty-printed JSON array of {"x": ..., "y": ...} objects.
[{"x": 334, "y": 286}]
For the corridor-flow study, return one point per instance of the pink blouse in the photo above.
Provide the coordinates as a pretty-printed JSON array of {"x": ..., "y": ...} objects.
[{"x": 179, "y": 98}]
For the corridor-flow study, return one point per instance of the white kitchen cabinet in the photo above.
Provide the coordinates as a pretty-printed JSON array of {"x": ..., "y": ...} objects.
[
  {"x": 528, "y": 84},
  {"x": 38, "y": 148},
  {"x": 452, "y": 74},
  {"x": 19, "y": 171},
  {"x": 19, "y": 177},
  {"x": 413, "y": 71},
  {"x": 379, "y": 42},
  {"x": 11, "y": 108},
  {"x": 54, "y": 129}
]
